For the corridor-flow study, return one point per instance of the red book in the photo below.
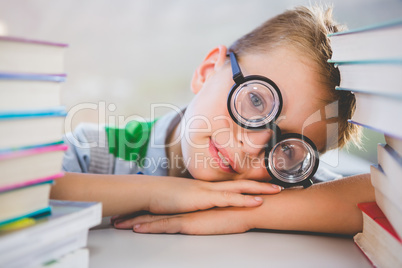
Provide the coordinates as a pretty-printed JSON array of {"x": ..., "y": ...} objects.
[
  {"x": 378, "y": 241},
  {"x": 372, "y": 210}
]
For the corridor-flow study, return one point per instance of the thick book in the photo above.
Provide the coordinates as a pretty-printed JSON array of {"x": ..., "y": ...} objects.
[
  {"x": 31, "y": 56},
  {"x": 378, "y": 241},
  {"x": 388, "y": 187},
  {"x": 21, "y": 202},
  {"x": 379, "y": 113},
  {"x": 391, "y": 164},
  {"x": 381, "y": 41},
  {"x": 46, "y": 240},
  {"x": 27, "y": 166},
  {"x": 31, "y": 127},
  {"x": 76, "y": 259},
  {"x": 50, "y": 253},
  {"x": 395, "y": 143},
  {"x": 394, "y": 215},
  {"x": 22, "y": 91},
  {"x": 375, "y": 77}
]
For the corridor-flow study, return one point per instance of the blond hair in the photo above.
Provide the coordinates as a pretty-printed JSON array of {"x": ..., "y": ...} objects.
[{"x": 306, "y": 30}]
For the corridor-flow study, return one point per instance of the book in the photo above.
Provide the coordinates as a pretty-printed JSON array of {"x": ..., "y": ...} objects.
[
  {"x": 64, "y": 231},
  {"x": 21, "y": 202},
  {"x": 22, "y": 91},
  {"x": 378, "y": 113},
  {"x": 395, "y": 143},
  {"x": 34, "y": 231},
  {"x": 50, "y": 253},
  {"x": 31, "y": 56},
  {"x": 375, "y": 77},
  {"x": 31, "y": 127},
  {"x": 378, "y": 240},
  {"x": 394, "y": 215},
  {"x": 391, "y": 164},
  {"x": 76, "y": 259},
  {"x": 392, "y": 189},
  {"x": 381, "y": 41},
  {"x": 27, "y": 166}
]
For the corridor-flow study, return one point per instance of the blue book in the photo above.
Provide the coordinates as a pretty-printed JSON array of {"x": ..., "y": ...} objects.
[
  {"x": 379, "y": 77},
  {"x": 30, "y": 90},
  {"x": 32, "y": 77},
  {"x": 33, "y": 215},
  {"x": 31, "y": 127},
  {"x": 23, "y": 114},
  {"x": 24, "y": 202}
]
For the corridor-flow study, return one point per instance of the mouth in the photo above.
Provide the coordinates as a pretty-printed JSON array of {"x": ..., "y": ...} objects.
[{"x": 220, "y": 156}]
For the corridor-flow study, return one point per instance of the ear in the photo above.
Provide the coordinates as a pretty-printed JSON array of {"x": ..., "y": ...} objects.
[{"x": 213, "y": 61}]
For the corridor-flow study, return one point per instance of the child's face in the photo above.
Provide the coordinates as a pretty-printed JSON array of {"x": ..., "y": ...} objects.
[{"x": 209, "y": 132}]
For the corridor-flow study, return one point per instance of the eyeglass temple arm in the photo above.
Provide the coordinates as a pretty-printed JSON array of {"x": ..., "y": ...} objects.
[{"x": 237, "y": 74}]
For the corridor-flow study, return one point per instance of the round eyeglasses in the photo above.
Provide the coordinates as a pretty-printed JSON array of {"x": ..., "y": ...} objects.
[{"x": 255, "y": 103}]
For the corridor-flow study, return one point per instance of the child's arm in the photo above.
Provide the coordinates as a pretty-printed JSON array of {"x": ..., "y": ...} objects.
[
  {"x": 327, "y": 207},
  {"x": 123, "y": 194}
]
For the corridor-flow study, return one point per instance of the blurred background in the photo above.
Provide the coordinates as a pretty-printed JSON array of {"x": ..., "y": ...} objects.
[{"x": 125, "y": 55}]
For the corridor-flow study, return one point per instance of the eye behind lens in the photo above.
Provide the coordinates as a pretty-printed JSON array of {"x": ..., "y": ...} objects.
[
  {"x": 292, "y": 160},
  {"x": 254, "y": 103}
]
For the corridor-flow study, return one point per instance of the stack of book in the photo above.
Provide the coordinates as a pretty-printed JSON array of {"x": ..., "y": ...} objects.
[
  {"x": 47, "y": 241},
  {"x": 31, "y": 153},
  {"x": 370, "y": 64}
]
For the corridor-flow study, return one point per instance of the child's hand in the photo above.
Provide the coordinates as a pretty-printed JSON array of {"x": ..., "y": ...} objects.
[
  {"x": 177, "y": 195},
  {"x": 328, "y": 207},
  {"x": 124, "y": 194},
  {"x": 213, "y": 221}
]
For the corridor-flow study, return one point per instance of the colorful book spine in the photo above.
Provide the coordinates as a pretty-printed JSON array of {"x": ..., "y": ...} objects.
[
  {"x": 31, "y": 125},
  {"x": 369, "y": 60},
  {"x": 33, "y": 77}
]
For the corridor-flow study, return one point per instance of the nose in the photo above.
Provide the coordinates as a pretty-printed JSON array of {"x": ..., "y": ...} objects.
[{"x": 253, "y": 142}]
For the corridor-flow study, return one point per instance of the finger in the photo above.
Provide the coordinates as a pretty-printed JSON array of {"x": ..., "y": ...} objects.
[
  {"x": 114, "y": 218},
  {"x": 129, "y": 223},
  {"x": 119, "y": 218},
  {"x": 231, "y": 199},
  {"x": 124, "y": 224},
  {"x": 169, "y": 225},
  {"x": 197, "y": 223},
  {"x": 247, "y": 186}
]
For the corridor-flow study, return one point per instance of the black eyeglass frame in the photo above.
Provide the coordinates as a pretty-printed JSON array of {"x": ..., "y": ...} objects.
[
  {"x": 306, "y": 182},
  {"x": 240, "y": 79}
]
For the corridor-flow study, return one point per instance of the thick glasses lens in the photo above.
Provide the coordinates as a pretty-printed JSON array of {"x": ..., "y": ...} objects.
[
  {"x": 255, "y": 103},
  {"x": 292, "y": 160}
]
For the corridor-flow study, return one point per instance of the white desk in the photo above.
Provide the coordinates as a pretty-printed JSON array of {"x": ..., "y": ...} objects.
[{"x": 123, "y": 248}]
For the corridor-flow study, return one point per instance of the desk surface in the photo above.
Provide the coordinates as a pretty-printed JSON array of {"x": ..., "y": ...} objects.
[{"x": 123, "y": 248}]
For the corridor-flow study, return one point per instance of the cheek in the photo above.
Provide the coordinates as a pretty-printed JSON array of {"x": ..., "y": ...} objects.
[
  {"x": 258, "y": 172},
  {"x": 223, "y": 131},
  {"x": 196, "y": 125},
  {"x": 213, "y": 96}
]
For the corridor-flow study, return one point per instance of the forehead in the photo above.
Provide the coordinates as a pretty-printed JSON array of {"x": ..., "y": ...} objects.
[{"x": 286, "y": 68}]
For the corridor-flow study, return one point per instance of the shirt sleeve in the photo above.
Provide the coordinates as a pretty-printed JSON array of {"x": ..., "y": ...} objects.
[
  {"x": 88, "y": 152},
  {"x": 77, "y": 157}
]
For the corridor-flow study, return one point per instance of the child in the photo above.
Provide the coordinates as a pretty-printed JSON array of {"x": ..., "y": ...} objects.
[{"x": 222, "y": 142}]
